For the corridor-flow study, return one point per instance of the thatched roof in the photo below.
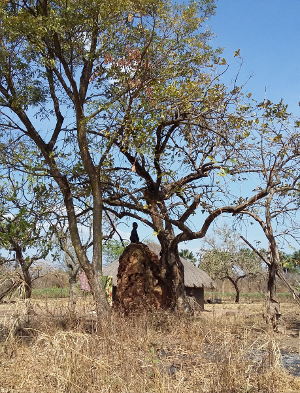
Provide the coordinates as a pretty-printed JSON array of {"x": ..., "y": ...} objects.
[{"x": 193, "y": 276}]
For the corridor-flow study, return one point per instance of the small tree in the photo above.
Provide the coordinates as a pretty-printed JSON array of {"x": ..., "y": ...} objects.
[
  {"x": 22, "y": 231},
  {"x": 290, "y": 262},
  {"x": 71, "y": 262},
  {"x": 112, "y": 249},
  {"x": 224, "y": 258}
]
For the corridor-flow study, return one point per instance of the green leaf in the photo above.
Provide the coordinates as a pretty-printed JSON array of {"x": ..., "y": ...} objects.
[{"x": 152, "y": 351}]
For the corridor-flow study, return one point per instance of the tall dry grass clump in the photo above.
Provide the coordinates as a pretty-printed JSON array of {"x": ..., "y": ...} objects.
[{"x": 158, "y": 352}]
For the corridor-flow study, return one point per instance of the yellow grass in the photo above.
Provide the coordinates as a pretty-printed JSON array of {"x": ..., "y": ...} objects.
[{"x": 55, "y": 351}]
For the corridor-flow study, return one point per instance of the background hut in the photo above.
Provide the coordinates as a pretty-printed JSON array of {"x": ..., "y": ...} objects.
[{"x": 195, "y": 279}]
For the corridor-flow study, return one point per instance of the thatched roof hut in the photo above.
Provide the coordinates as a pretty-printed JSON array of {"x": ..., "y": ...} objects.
[{"x": 195, "y": 279}]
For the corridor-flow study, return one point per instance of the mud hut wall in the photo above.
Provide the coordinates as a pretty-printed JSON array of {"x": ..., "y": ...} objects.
[{"x": 198, "y": 294}]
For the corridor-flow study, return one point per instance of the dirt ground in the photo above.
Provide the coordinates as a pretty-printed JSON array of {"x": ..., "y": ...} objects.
[{"x": 289, "y": 341}]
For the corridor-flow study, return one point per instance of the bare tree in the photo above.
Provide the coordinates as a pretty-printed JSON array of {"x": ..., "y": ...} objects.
[
  {"x": 277, "y": 214},
  {"x": 224, "y": 257}
]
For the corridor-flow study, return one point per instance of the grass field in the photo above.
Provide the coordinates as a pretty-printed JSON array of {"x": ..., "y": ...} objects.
[
  {"x": 225, "y": 349},
  {"x": 245, "y": 297},
  {"x": 52, "y": 292},
  {"x": 56, "y": 293}
]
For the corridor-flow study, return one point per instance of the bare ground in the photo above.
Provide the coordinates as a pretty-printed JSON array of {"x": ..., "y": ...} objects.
[{"x": 288, "y": 340}]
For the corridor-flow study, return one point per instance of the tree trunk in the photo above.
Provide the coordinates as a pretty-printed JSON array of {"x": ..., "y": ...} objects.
[
  {"x": 73, "y": 288},
  {"x": 171, "y": 267},
  {"x": 73, "y": 267},
  {"x": 272, "y": 281},
  {"x": 97, "y": 290},
  {"x": 102, "y": 305},
  {"x": 28, "y": 283},
  {"x": 173, "y": 273},
  {"x": 237, "y": 289},
  {"x": 237, "y": 297},
  {"x": 73, "y": 291},
  {"x": 94, "y": 271},
  {"x": 273, "y": 313},
  {"x": 25, "y": 272}
]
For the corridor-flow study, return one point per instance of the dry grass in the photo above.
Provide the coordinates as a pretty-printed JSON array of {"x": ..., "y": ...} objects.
[{"x": 55, "y": 351}]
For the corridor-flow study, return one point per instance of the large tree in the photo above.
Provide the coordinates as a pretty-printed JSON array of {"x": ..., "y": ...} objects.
[
  {"x": 181, "y": 139},
  {"x": 48, "y": 50}
]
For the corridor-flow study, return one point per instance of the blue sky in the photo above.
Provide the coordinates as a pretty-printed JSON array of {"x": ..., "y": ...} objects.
[{"x": 267, "y": 33}]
